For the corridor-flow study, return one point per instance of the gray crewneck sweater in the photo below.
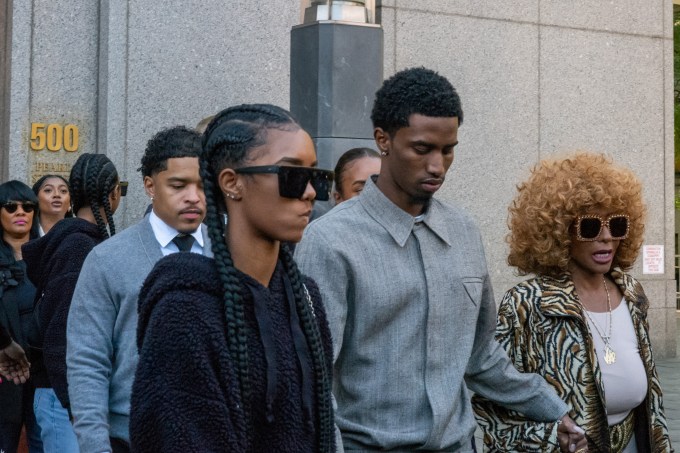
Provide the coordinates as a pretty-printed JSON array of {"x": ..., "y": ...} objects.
[{"x": 101, "y": 350}]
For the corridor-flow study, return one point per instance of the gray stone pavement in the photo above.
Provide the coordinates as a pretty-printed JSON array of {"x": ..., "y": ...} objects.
[{"x": 669, "y": 374}]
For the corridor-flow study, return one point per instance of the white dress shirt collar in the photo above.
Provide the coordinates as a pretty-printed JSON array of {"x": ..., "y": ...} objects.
[{"x": 165, "y": 234}]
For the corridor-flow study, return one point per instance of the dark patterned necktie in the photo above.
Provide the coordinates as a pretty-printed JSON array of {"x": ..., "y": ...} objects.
[{"x": 184, "y": 242}]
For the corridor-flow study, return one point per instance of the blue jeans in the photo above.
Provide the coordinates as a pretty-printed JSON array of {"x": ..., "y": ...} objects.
[{"x": 56, "y": 430}]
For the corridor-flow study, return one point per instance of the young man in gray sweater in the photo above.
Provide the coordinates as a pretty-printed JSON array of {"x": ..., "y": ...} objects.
[{"x": 101, "y": 351}]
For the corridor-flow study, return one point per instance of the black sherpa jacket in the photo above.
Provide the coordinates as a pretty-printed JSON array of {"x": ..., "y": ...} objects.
[
  {"x": 53, "y": 265},
  {"x": 185, "y": 397}
]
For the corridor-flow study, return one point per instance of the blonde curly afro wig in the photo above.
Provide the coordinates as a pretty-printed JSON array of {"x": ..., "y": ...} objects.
[{"x": 557, "y": 191}]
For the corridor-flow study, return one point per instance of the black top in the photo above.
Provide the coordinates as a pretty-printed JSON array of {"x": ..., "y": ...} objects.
[
  {"x": 5, "y": 338},
  {"x": 186, "y": 395},
  {"x": 16, "y": 300},
  {"x": 54, "y": 262},
  {"x": 16, "y": 309}
]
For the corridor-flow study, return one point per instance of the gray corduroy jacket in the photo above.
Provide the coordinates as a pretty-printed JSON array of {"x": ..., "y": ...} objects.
[{"x": 413, "y": 318}]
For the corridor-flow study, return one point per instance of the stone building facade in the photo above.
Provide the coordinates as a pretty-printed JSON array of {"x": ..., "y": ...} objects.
[{"x": 536, "y": 77}]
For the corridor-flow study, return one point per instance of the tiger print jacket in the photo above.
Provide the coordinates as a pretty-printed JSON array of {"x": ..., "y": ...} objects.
[{"x": 542, "y": 327}]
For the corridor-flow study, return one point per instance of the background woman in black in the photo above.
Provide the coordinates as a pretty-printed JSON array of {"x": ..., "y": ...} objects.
[
  {"x": 18, "y": 210},
  {"x": 54, "y": 262},
  {"x": 235, "y": 351}
]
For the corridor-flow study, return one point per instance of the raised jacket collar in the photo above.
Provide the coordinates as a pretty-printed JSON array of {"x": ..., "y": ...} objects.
[
  {"x": 397, "y": 222},
  {"x": 559, "y": 296}
]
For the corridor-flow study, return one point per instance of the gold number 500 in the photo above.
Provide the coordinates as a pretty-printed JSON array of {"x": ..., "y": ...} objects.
[{"x": 54, "y": 137}]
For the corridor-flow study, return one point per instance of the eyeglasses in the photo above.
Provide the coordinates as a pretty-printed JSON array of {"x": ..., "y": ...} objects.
[
  {"x": 293, "y": 180},
  {"x": 12, "y": 206},
  {"x": 589, "y": 227},
  {"x": 123, "y": 188}
]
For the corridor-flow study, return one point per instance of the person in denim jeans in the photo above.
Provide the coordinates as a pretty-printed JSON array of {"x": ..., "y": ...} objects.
[{"x": 54, "y": 262}]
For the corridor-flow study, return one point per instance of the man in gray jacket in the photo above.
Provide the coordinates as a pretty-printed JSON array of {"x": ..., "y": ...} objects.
[
  {"x": 405, "y": 284},
  {"x": 101, "y": 353}
]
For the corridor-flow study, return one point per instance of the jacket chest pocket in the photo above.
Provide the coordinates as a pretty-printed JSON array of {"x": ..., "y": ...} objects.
[{"x": 473, "y": 289}]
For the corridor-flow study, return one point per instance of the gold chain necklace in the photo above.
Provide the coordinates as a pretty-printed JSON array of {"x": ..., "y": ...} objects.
[{"x": 609, "y": 354}]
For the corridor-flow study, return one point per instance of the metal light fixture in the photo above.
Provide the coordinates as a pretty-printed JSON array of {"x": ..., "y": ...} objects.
[{"x": 339, "y": 10}]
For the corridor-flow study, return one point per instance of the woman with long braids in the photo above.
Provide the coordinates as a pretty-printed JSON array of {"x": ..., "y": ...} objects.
[
  {"x": 54, "y": 262},
  {"x": 235, "y": 352}
]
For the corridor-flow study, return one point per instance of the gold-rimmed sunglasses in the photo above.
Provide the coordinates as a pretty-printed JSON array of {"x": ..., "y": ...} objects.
[{"x": 589, "y": 226}]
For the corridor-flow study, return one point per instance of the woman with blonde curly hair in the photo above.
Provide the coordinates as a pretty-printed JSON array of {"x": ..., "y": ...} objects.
[{"x": 577, "y": 225}]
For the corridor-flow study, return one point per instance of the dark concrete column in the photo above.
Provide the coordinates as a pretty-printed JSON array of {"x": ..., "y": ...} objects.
[{"x": 336, "y": 68}]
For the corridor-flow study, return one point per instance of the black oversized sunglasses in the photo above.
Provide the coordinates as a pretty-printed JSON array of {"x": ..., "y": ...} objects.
[
  {"x": 12, "y": 206},
  {"x": 293, "y": 180},
  {"x": 589, "y": 227},
  {"x": 123, "y": 188}
]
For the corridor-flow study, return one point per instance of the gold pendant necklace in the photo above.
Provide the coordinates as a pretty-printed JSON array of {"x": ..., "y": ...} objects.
[{"x": 609, "y": 353}]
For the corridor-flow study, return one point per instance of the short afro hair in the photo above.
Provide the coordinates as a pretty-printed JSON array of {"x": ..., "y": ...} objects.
[
  {"x": 559, "y": 190},
  {"x": 174, "y": 142},
  {"x": 414, "y": 91}
]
